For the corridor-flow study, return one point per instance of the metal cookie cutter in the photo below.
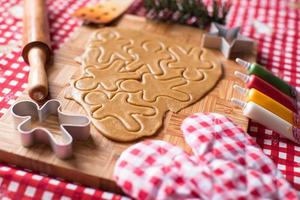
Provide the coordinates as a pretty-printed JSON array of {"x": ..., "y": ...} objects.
[{"x": 71, "y": 126}]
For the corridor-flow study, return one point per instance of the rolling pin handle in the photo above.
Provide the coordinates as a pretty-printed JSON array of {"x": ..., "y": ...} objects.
[
  {"x": 38, "y": 82},
  {"x": 37, "y": 49}
]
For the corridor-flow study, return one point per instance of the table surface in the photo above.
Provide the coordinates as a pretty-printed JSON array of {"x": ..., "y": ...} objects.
[{"x": 279, "y": 50}]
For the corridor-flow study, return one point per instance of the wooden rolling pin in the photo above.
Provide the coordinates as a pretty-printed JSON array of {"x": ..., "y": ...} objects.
[{"x": 36, "y": 50}]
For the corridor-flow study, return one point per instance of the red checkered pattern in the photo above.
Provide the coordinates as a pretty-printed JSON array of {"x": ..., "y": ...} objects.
[
  {"x": 280, "y": 52},
  {"x": 23, "y": 184},
  {"x": 227, "y": 164},
  {"x": 20, "y": 184}
]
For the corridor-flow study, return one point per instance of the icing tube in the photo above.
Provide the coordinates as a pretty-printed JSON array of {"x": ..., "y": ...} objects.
[
  {"x": 270, "y": 104},
  {"x": 269, "y": 120},
  {"x": 255, "y": 82},
  {"x": 266, "y": 75}
]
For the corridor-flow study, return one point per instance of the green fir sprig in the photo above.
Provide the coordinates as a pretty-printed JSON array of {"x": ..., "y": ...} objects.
[{"x": 190, "y": 12}]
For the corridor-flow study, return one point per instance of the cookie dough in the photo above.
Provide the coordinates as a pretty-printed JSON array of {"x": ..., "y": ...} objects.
[
  {"x": 104, "y": 12},
  {"x": 131, "y": 79}
]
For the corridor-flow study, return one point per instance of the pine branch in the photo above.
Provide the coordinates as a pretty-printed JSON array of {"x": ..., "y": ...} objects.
[{"x": 190, "y": 12}]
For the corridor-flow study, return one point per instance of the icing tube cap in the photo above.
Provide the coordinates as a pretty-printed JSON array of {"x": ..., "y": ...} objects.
[
  {"x": 238, "y": 102},
  {"x": 240, "y": 89},
  {"x": 243, "y": 63},
  {"x": 242, "y": 76}
]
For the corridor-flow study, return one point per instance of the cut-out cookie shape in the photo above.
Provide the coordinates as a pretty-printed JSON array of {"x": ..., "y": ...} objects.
[
  {"x": 227, "y": 164},
  {"x": 104, "y": 12},
  {"x": 107, "y": 46},
  {"x": 106, "y": 77},
  {"x": 71, "y": 126},
  {"x": 190, "y": 61},
  {"x": 141, "y": 52},
  {"x": 155, "y": 75},
  {"x": 126, "y": 115},
  {"x": 153, "y": 88}
]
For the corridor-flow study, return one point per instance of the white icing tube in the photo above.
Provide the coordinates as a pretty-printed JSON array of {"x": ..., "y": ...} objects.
[{"x": 269, "y": 120}]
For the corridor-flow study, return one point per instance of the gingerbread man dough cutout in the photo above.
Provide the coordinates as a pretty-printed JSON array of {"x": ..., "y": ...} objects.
[
  {"x": 141, "y": 54},
  {"x": 107, "y": 77},
  {"x": 111, "y": 45},
  {"x": 153, "y": 88},
  {"x": 108, "y": 106},
  {"x": 190, "y": 61}
]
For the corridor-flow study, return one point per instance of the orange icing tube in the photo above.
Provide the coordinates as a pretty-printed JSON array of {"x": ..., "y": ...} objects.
[
  {"x": 269, "y": 120},
  {"x": 271, "y": 105}
]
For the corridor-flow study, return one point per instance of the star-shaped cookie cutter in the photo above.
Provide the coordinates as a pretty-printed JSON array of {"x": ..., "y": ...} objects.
[
  {"x": 228, "y": 41},
  {"x": 71, "y": 126}
]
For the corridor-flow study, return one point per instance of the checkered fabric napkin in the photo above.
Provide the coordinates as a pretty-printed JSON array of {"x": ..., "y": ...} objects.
[{"x": 227, "y": 164}]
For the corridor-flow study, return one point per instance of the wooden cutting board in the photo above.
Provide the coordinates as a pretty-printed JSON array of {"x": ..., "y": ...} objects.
[{"x": 93, "y": 161}]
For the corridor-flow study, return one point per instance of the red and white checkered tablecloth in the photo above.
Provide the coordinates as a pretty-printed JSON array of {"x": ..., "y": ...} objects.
[{"x": 279, "y": 51}]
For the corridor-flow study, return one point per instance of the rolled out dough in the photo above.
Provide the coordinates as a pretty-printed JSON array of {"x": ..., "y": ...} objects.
[{"x": 131, "y": 79}]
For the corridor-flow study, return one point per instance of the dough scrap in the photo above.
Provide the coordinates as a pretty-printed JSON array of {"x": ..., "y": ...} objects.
[{"x": 130, "y": 80}]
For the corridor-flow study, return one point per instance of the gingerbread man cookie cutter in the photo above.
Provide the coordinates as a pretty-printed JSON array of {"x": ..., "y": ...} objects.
[{"x": 71, "y": 126}]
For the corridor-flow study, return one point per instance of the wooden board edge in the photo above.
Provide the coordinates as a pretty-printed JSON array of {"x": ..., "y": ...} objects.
[{"x": 72, "y": 176}]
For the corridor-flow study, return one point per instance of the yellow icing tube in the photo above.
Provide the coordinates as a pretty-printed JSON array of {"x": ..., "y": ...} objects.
[
  {"x": 271, "y": 105},
  {"x": 269, "y": 120}
]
